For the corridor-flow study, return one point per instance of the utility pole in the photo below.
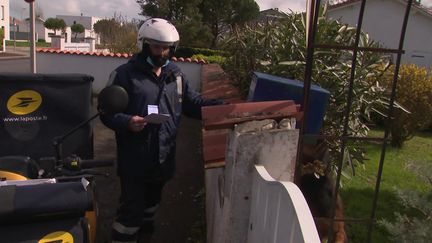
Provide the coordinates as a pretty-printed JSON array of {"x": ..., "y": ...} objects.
[
  {"x": 15, "y": 30},
  {"x": 32, "y": 37}
]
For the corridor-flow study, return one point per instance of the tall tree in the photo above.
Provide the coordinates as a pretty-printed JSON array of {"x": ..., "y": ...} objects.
[
  {"x": 176, "y": 11},
  {"x": 55, "y": 24},
  {"x": 77, "y": 29},
  {"x": 243, "y": 11},
  {"x": 106, "y": 28},
  {"x": 215, "y": 15},
  {"x": 219, "y": 15},
  {"x": 195, "y": 17},
  {"x": 185, "y": 15},
  {"x": 117, "y": 34}
]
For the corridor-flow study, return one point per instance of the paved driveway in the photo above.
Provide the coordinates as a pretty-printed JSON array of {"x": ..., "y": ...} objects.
[{"x": 14, "y": 64}]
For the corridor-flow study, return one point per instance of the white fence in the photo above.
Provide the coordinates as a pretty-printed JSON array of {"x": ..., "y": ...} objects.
[
  {"x": 279, "y": 212},
  {"x": 244, "y": 207}
]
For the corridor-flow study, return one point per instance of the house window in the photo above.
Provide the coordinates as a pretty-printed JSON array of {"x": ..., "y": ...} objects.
[
  {"x": 2, "y": 13},
  {"x": 74, "y": 22}
]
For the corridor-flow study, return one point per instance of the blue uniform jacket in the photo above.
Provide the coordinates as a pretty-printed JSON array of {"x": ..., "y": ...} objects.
[{"x": 151, "y": 152}]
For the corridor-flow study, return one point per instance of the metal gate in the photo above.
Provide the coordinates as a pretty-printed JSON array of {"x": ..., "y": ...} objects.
[{"x": 313, "y": 11}]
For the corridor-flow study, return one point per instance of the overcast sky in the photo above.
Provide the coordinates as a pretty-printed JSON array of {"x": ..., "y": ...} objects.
[{"x": 128, "y": 8}]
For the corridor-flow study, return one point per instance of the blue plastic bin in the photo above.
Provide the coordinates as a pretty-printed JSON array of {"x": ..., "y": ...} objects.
[{"x": 266, "y": 87}]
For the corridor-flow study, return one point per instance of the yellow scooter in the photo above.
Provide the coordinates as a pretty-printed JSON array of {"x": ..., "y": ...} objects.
[{"x": 52, "y": 199}]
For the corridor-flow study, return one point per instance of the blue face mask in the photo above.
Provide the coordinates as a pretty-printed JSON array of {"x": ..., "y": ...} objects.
[{"x": 157, "y": 61}]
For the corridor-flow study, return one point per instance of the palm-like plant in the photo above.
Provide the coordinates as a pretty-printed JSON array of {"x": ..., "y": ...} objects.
[{"x": 279, "y": 48}]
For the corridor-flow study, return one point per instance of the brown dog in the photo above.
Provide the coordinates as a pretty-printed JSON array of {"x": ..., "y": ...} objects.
[{"x": 317, "y": 186}]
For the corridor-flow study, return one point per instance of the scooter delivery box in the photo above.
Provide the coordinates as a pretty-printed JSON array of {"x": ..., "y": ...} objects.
[
  {"x": 35, "y": 108},
  {"x": 266, "y": 87}
]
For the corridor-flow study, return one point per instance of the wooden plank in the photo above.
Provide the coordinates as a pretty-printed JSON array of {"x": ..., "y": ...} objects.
[
  {"x": 214, "y": 145},
  {"x": 225, "y": 116}
]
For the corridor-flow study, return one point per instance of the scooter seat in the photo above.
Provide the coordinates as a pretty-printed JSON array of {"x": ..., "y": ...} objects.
[{"x": 32, "y": 202}]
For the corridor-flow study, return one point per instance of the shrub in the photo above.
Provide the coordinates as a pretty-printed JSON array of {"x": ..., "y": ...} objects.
[
  {"x": 190, "y": 51},
  {"x": 117, "y": 34},
  {"x": 408, "y": 228},
  {"x": 26, "y": 43},
  {"x": 77, "y": 29},
  {"x": 1, "y": 38},
  {"x": 211, "y": 59},
  {"x": 279, "y": 48},
  {"x": 55, "y": 24},
  {"x": 414, "y": 92}
]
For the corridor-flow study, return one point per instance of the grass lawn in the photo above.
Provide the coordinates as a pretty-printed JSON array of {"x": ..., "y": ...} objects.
[
  {"x": 357, "y": 193},
  {"x": 27, "y": 44}
]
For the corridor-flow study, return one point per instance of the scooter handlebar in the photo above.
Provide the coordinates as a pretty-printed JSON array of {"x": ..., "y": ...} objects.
[{"x": 93, "y": 163}]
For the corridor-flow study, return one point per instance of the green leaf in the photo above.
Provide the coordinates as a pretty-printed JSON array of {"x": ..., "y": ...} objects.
[{"x": 292, "y": 63}]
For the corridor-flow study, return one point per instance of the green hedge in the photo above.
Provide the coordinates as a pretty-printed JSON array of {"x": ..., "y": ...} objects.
[
  {"x": 190, "y": 51},
  {"x": 210, "y": 59},
  {"x": 27, "y": 44},
  {"x": 1, "y": 38},
  {"x": 414, "y": 93}
]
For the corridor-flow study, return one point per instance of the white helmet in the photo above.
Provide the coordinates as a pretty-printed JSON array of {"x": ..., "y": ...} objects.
[{"x": 158, "y": 31}]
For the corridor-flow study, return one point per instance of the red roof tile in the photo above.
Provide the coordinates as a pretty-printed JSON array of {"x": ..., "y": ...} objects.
[
  {"x": 105, "y": 54},
  {"x": 342, "y": 3}
]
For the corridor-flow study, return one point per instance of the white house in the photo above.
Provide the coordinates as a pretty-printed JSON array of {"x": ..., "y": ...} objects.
[
  {"x": 383, "y": 22},
  {"x": 86, "y": 21},
  {"x": 22, "y": 29},
  {"x": 42, "y": 33},
  {"x": 4, "y": 17}
]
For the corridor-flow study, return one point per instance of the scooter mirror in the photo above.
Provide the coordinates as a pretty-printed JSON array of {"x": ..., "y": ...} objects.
[{"x": 112, "y": 99}]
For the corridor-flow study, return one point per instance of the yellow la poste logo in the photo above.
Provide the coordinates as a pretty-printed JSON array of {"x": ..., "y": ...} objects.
[
  {"x": 24, "y": 102},
  {"x": 58, "y": 236}
]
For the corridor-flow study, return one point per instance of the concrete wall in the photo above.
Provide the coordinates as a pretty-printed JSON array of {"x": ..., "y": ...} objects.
[
  {"x": 100, "y": 67},
  {"x": 383, "y": 21},
  {"x": 77, "y": 47},
  {"x": 4, "y": 17},
  {"x": 229, "y": 190},
  {"x": 58, "y": 42}
]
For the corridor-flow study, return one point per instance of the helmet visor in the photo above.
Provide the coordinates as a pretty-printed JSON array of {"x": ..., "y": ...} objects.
[{"x": 158, "y": 43}]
